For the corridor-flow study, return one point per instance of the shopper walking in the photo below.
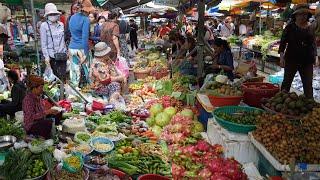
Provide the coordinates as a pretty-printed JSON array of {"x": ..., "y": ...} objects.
[
  {"x": 133, "y": 34},
  {"x": 52, "y": 42},
  {"x": 110, "y": 34},
  {"x": 298, "y": 51},
  {"x": 74, "y": 9},
  {"x": 79, "y": 47},
  {"x": 124, "y": 30}
]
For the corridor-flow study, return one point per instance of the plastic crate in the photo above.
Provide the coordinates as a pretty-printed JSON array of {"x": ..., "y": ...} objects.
[
  {"x": 274, "y": 79},
  {"x": 265, "y": 167}
]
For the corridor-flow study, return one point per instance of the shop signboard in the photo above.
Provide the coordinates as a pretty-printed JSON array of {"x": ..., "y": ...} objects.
[{"x": 172, "y": 3}]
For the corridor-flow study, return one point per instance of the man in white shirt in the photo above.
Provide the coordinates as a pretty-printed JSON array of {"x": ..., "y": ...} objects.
[
  {"x": 242, "y": 29},
  {"x": 227, "y": 28}
]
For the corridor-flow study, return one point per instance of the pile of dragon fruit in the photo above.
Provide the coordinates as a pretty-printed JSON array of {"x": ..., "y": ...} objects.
[
  {"x": 201, "y": 160},
  {"x": 194, "y": 158}
]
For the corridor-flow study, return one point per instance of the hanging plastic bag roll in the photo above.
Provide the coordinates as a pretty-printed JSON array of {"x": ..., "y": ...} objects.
[{"x": 48, "y": 74}]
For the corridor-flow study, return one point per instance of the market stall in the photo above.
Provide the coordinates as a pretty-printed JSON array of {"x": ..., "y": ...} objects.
[{"x": 170, "y": 127}]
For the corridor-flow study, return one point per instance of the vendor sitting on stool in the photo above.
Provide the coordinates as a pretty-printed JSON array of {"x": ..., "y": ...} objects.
[
  {"x": 224, "y": 58},
  {"x": 35, "y": 115},
  {"x": 18, "y": 92}
]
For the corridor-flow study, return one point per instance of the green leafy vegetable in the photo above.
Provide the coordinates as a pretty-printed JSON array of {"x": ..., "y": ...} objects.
[
  {"x": 16, "y": 164},
  {"x": 8, "y": 128}
]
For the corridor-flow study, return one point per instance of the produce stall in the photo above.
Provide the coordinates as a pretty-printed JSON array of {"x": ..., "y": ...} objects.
[{"x": 159, "y": 130}]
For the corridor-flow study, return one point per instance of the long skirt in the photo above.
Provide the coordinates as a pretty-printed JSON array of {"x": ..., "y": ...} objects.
[{"x": 124, "y": 50}]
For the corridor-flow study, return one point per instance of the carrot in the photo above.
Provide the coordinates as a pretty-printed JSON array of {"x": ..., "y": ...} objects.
[{"x": 153, "y": 138}]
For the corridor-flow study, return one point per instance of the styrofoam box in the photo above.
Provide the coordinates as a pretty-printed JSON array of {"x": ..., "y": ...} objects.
[
  {"x": 275, "y": 163},
  {"x": 234, "y": 144},
  {"x": 252, "y": 172}
]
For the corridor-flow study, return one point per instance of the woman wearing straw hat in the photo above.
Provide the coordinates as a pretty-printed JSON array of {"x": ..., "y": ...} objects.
[
  {"x": 297, "y": 50},
  {"x": 105, "y": 76},
  {"x": 53, "y": 41},
  {"x": 79, "y": 25}
]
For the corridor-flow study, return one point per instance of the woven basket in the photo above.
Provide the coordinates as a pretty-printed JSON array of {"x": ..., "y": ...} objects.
[{"x": 142, "y": 74}]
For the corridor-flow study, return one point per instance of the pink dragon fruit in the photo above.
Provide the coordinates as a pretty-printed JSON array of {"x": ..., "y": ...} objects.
[
  {"x": 202, "y": 145},
  {"x": 205, "y": 173}
]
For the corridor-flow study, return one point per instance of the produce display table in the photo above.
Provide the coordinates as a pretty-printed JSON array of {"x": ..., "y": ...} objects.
[
  {"x": 269, "y": 165},
  {"x": 236, "y": 145}
]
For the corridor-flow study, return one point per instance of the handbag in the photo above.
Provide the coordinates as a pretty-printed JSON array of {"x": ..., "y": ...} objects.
[{"x": 57, "y": 56}]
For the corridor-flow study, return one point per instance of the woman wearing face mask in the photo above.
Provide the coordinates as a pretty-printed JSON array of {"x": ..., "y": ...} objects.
[
  {"x": 79, "y": 46},
  {"x": 53, "y": 42},
  {"x": 97, "y": 30}
]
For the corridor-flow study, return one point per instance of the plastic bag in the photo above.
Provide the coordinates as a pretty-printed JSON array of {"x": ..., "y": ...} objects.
[
  {"x": 122, "y": 65},
  {"x": 207, "y": 81},
  {"x": 118, "y": 101},
  {"x": 48, "y": 74}
]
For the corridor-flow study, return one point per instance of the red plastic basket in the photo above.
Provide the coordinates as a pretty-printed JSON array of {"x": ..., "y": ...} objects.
[
  {"x": 218, "y": 101},
  {"x": 152, "y": 177},
  {"x": 253, "y": 96},
  {"x": 120, "y": 174}
]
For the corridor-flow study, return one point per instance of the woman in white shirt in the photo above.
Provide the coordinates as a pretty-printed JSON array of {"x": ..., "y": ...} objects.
[{"x": 53, "y": 42}]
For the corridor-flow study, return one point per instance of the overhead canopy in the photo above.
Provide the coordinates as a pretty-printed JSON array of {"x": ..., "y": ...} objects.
[
  {"x": 153, "y": 8},
  {"x": 123, "y": 4}
]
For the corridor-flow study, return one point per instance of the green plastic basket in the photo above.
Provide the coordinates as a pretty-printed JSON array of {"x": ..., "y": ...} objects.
[
  {"x": 231, "y": 126},
  {"x": 71, "y": 169}
]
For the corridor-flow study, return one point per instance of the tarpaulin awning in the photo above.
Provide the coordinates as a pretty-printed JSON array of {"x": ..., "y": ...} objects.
[{"x": 123, "y": 4}]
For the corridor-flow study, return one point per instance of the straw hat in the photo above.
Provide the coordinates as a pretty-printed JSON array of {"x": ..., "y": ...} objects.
[
  {"x": 50, "y": 8},
  {"x": 101, "y": 49},
  {"x": 302, "y": 9},
  {"x": 87, "y": 6}
]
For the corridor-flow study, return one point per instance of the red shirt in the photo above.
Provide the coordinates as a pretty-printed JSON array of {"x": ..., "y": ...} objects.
[
  {"x": 33, "y": 109},
  {"x": 164, "y": 31},
  {"x": 63, "y": 19}
]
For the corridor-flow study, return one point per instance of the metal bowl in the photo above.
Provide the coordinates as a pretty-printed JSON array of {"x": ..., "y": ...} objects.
[{"x": 7, "y": 141}]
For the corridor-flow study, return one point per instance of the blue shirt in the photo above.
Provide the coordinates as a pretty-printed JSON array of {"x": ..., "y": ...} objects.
[
  {"x": 226, "y": 59},
  {"x": 79, "y": 26},
  {"x": 96, "y": 34}
]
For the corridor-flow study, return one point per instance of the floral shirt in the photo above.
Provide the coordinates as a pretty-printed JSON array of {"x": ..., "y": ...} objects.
[
  {"x": 33, "y": 110},
  {"x": 99, "y": 69}
]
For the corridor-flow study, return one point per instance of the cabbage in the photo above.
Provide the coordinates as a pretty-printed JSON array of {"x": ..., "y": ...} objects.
[
  {"x": 162, "y": 119},
  {"x": 150, "y": 121},
  {"x": 157, "y": 130},
  {"x": 171, "y": 111},
  {"x": 156, "y": 109},
  {"x": 187, "y": 112},
  {"x": 197, "y": 127}
]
